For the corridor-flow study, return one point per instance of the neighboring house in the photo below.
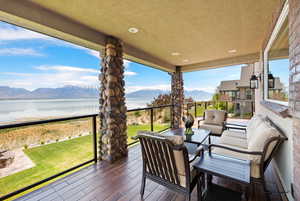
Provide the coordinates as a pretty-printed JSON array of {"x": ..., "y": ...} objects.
[{"x": 239, "y": 92}]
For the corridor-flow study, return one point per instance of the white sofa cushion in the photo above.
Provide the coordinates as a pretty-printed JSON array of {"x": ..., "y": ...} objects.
[
  {"x": 253, "y": 124},
  {"x": 261, "y": 135},
  {"x": 234, "y": 141},
  {"x": 259, "y": 131},
  {"x": 234, "y": 133}
]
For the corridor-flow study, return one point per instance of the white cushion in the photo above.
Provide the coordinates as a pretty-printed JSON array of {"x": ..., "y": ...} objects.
[
  {"x": 234, "y": 141},
  {"x": 253, "y": 124},
  {"x": 215, "y": 117},
  {"x": 262, "y": 134},
  {"x": 237, "y": 134},
  {"x": 215, "y": 129}
]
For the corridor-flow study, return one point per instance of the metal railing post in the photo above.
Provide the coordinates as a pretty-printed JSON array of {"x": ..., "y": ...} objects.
[
  {"x": 94, "y": 130},
  {"x": 151, "y": 118}
]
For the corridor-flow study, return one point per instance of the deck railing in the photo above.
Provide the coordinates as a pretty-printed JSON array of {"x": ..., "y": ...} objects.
[
  {"x": 147, "y": 111},
  {"x": 197, "y": 108}
]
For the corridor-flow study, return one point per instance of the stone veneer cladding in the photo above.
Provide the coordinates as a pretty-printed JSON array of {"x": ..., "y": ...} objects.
[
  {"x": 113, "y": 136},
  {"x": 294, "y": 100},
  {"x": 177, "y": 98}
]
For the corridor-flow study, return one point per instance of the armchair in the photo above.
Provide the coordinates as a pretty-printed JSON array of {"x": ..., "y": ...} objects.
[
  {"x": 166, "y": 162},
  {"x": 213, "y": 120}
]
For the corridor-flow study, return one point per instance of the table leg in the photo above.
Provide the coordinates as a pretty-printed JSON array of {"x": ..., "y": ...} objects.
[
  {"x": 199, "y": 187},
  {"x": 245, "y": 193},
  {"x": 209, "y": 178}
]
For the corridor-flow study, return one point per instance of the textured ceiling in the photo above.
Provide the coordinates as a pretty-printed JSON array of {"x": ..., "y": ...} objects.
[{"x": 200, "y": 30}]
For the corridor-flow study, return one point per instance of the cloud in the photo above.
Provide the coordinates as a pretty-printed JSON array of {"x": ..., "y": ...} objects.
[
  {"x": 10, "y": 32},
  {"x": 66, "y": 69},
  {"x": 19, "y": 51},
  {"x": 93, "y": 52},
  {"x": 130, "y": 73},
  {"x": 51, "y": 77}
]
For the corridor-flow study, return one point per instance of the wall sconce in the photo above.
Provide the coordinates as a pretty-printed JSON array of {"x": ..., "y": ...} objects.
[
  {"x": 254, "y": 81},
  {"x": 271, "y": 81}
]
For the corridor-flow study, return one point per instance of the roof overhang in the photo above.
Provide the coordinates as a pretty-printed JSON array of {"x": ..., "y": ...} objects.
[{"x": 202, "y": 31}]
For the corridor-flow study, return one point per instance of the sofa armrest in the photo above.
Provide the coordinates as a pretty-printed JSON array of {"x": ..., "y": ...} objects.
[{"x": 259, "y": 153}]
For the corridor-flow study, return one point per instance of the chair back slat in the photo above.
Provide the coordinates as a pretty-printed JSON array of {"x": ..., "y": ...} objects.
[
  {"x": 153, "y": 156},
  {"x": 168, "y": 163},
  {"x": 147, "y": 158},
  {"x": 159, "y": 159},
  {"x": 164, "y": 166}
]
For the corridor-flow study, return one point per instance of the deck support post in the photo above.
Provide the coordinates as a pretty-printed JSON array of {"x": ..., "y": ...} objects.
[
  {"x": 113, "y": 134},
  {"x": 177, "y": 98}
]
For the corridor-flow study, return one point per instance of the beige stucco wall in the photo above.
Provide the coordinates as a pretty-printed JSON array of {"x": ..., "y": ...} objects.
[{"x": 283, "y": 161}]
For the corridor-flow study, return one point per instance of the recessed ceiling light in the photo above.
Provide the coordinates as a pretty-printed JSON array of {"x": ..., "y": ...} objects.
[
  {"x": 185, "y": 60},
  {"x": 232, "y": 51},
  {"x": 175, "y": 53},
  {"x": 133, "y": 30}
]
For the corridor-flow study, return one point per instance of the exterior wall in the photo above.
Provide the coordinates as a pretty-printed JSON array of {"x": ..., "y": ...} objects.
[
  {"x": 283, "y": 161},
  {"x": 294, "y": 100}
]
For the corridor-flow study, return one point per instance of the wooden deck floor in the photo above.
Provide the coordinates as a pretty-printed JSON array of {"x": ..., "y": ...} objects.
[{"x": 121, "y": 182}]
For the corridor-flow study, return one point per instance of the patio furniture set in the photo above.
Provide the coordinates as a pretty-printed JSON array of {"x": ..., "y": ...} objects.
[{"x": 181, "y": 162}]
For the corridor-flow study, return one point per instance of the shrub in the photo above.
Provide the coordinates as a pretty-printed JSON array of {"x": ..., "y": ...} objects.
[
  {"x": 57, "y": 140},
  {"x": 42, "y": 142},
  {"x": 25, "y": 146},
  {"x": 137, "y": 114}
]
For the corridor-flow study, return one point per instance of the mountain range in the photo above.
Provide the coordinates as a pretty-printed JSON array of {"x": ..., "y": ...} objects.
[
  {"x": 68, "y": 92},
  {"x": 150, "y": 94}
]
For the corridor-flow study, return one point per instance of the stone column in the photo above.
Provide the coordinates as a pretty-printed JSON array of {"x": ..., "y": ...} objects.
[
  {"x": 177, "y": 98},
  {"x": 294, "y": 99},
  {"x": 113, "y": 135}
]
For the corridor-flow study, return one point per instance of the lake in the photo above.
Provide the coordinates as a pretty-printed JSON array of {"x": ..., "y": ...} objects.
[{"x": 26, "y": 110}]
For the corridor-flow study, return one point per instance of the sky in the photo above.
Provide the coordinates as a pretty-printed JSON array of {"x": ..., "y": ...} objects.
[{"x": 31, "y": 60}]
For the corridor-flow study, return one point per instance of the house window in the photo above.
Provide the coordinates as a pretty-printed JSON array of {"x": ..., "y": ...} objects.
[
  {"x": 248, "y": 94},
  {"x": 276, "y": 62}
]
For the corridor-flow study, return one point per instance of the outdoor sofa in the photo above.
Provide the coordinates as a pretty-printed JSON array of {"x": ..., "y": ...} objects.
[{"x": 258, "y": 143}]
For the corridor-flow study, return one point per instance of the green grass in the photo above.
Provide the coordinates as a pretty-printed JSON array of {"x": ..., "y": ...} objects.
[
  {"x": 56, "y": 157},
  {"x": 133, "y": 129}
]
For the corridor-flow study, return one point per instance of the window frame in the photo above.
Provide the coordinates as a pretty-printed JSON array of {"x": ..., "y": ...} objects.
[{"x": 283, "y": 16}]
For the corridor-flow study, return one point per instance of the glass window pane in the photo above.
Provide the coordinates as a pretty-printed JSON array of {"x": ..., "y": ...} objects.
[{"x": 278, "y": 64}]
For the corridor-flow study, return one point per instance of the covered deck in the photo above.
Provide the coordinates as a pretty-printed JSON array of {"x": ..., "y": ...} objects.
[
  {"x": 121, "y": 182},
  {"x": 175, "y": 37}
]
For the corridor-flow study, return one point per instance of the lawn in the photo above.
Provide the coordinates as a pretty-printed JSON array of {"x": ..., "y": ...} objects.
[{"x": 57, "y": 157}]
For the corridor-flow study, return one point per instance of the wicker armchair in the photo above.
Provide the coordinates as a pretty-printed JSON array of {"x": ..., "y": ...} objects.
[{"x": 166, "y": 161}]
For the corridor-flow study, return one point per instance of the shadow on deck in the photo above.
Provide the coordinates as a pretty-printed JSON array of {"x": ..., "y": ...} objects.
[{"x": 121, "y": 182}]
